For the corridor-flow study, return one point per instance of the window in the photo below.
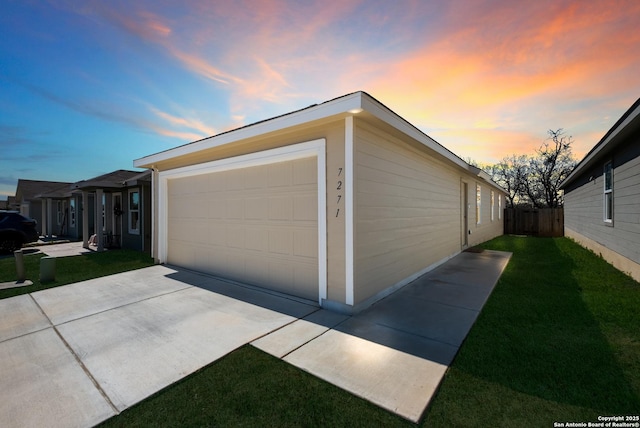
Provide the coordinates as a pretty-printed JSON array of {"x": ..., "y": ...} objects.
[
  {"x": 608, "y": 192},
  {"x": 134, "y": 212},
  {"x": 478, "y": 202},
  {"x": 493, "y": 204},
  {"x": 72, "y": 212},
  {"x": 499, "y": 207}
]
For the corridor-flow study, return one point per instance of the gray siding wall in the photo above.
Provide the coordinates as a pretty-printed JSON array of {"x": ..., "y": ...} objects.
[{"x": 584, "y": 203}]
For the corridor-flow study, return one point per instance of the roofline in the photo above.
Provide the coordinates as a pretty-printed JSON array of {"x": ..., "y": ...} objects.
[
  {"x": 350, "y": 104},
  {"x": 629, "y": 116}
]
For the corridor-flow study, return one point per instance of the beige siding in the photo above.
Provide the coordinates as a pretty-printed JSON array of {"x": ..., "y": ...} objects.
[
  {"x": 488, "y": 228},
  {"x": 407, "y": 211},
  {"x": 257, "y": 225}
]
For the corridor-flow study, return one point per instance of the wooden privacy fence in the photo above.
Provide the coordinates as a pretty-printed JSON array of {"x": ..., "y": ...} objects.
[{"x": 534, "y": 221}]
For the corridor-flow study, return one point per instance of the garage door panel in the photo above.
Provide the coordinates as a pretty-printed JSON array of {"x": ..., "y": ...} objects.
[
  {"x": 257, "y": 239},
  {"x": 217, "y": 210},
  {"x": 255, "y": 178},
  {"x": 280, "y": 208},
  {"x": 304, "y": 276},
  {"x": 234, "y": 179},
  {"x": 304, "y": 244},
  {"x": 235, "y": 237},
  {"x": 305, "y": 207},
  {"x": 255, "y": 224},
  {"x": 280, "y": 276},
  {"x": 256, "y": 208},
  {"x": 304, "y": 172},
  {"x": 235, "y": 209},
  {"x": 280, "y": 241},
  {"x": 280, "y": 174}
]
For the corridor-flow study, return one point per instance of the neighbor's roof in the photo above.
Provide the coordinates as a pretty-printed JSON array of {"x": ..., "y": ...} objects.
[
  {"x": 629, "y": 122},
  {"x": 115, "y": 179},
  {"x": 30, "y": 189},
  {"x": 63, "y": 191},
  {"x": 347, "y": 105}
]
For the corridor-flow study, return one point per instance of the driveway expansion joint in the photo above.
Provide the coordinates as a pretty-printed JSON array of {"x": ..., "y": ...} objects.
[{"x": 77, "y": 358}]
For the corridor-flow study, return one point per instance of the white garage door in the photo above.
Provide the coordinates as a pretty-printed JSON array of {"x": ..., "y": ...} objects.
[{"x": 256, "y": 224}]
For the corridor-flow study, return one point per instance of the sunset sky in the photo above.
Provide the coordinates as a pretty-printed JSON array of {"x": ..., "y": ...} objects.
[{"x": 87, "y": 86}]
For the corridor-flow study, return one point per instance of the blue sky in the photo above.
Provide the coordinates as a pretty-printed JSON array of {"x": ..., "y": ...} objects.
[{"x": 88, "y": 86}]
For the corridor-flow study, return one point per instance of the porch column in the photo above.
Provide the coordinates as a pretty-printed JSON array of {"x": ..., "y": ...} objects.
[
  {"x": 85, "y": 219},
  {"x": 48, "y": 221},
  {"x": 43, "y": 226},
  {"x": 99, "y": 219}
]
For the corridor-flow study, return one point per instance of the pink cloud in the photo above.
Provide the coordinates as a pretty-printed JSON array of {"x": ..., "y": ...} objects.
[{"x": 188, "y": 123}]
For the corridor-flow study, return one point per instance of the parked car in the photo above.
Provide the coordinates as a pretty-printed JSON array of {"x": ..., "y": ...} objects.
[{"x": 16, "y": 230}]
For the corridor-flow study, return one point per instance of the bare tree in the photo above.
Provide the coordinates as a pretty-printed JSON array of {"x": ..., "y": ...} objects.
[
  {"x": 552, "y": 163},
  {"x": 511, "y": 174},
  {"x": 535, "y": 180}
]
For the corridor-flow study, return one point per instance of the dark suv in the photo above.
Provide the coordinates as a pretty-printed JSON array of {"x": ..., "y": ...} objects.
[{"x": 16, "y": 230}]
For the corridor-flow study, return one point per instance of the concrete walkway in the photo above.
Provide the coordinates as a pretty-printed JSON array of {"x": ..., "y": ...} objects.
[{"x": 79, "y": 354}]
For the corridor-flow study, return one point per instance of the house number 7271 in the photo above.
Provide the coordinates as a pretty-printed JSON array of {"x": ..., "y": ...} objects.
[{"x": 339, "y": 187}]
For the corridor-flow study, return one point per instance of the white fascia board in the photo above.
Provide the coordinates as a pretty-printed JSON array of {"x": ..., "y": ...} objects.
[
  {"x": 393, "y": 119},
  {"x": 586, "y": 162},
  {"x": 320, "y": 111}
]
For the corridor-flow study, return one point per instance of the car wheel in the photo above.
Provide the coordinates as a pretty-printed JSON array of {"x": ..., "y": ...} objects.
[{"x": 10, "y": 243}]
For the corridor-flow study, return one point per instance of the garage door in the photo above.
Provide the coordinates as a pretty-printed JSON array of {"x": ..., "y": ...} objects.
[{"x": 256, "y": 224}]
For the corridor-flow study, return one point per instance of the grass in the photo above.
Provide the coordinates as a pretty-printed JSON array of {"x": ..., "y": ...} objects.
[
  {"x": 71, "y": 269},
  {"x": 558, "y": 340}
]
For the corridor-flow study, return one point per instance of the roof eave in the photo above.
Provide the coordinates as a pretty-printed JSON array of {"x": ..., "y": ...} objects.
[
  {"x": 350, "y": 104},
  {"x": 342, "y": 105},
  {"x": 630, "y": 116}
]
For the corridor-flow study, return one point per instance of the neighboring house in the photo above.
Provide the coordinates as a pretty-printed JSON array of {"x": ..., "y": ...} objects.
[
  {"x": 602, "y": 196},
  {"x": 340, "y": 203},
  {"x": 118, "y": 206},
  {"x": 30, "y": 205},
  {"x": 58, "y": 212}
]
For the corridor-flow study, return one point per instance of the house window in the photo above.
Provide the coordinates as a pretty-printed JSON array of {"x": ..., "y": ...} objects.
[
  {"x": 499, "y": 207},
  {"x": 478, "y": 202},
  {"x": 608, "y": 192},
  {"x": 72, "y": 212},
  {"x": 493, "y": 204},
  {"x": 134, "y": 212}
]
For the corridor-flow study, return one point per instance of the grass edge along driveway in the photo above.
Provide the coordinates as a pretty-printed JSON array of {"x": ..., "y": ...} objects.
[
  {"x": 71, "y": 268},
  {"x": 558, "y": 341}
]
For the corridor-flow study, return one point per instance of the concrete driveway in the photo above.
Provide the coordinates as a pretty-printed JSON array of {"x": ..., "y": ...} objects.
[{"x": 79, "y": 354}]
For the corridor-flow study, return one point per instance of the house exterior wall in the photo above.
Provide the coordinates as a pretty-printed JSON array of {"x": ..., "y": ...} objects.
[
  {"x": 408, "y": 211},
  {"x": 35, "y": 212},
  {"x": 394, "y": 203},
  {"x": 74, "y": 217},
  {"x": 619, "y": 240},
  {"x": 136, "y": 241},
  {"x": 488, "y": 228}
]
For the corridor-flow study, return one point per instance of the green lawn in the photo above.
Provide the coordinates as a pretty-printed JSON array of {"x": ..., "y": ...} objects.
[
  {"x": 558, "y": 340},
  {"x": 71, "y": 269}
]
